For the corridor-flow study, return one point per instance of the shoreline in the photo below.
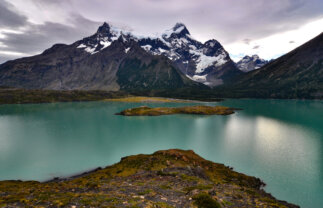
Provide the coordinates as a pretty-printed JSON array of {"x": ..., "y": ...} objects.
[{"x": 38, "y": 96}]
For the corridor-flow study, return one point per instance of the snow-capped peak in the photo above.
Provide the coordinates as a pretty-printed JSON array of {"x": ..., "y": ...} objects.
[
  {"x": 211, "y": 43},
  {"x": 250, "y": 63},
  {"x": 103, "y": 38},
  {"x": 178, "y": 25},
  {"x": 255, "y": 57},
  {"x": 179, "y": 30},
  {"x": 194, "y": 58}
]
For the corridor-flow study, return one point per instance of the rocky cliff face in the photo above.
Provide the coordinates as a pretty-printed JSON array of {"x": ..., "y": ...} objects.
[{"x": 113, "y": 59}]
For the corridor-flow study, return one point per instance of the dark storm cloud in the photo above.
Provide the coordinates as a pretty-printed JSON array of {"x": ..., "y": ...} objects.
[
  {"x": 228, "y": 21},
  {"x": 36, "y": 37},
  {"x": 257, "y": 19},
  {"x": 9, "y": 17}
]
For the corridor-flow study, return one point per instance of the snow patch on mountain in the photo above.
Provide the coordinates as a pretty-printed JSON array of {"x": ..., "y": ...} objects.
[
  {"x": 198, "y": 78},
  {"x": 146, "y": 47},
  {"x": 127, "y": 50},
  {"x": 203, "y": 61},
  {"x": 105, "y": 44},
  {"x": 91, "y": 50},
  {"x": 81, "y": 46}
]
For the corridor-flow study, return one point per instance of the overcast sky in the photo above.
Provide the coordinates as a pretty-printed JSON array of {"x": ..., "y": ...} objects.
[{"x": 244, "y": 27}]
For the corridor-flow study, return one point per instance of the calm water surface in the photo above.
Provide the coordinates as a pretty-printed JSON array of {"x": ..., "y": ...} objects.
[{"x": 280, "y": 141}]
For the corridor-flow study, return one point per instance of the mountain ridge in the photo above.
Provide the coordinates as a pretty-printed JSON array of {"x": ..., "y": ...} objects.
[{"x": 297, "y": 74}]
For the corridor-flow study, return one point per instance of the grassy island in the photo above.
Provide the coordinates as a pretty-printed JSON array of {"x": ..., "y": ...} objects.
[
  {"x": 199, "y": 110},
  {"x": 170, "y": 178}
]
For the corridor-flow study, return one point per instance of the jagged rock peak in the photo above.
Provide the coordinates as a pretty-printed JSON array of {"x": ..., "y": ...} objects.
[
  {"x": 211, "y": 43},
  {"x": 104, "y": 28},
  {"x": 255, "y": 57},
  {"x": 178, "y": 25},
  {"x": 179, "y": 30}
]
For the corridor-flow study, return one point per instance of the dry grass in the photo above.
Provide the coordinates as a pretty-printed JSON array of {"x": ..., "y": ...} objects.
[{"x": 138, "y": 99}]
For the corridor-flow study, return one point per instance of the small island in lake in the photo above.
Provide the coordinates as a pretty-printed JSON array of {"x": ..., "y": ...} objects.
[
  {"x": 168, "y": 178},
  {"x": 198, "y": 110}
]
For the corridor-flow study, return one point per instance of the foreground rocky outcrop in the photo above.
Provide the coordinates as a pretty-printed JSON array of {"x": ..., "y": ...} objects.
[
  {"x": 171, "y": 178},
  {"x": 197, "y": 110}
]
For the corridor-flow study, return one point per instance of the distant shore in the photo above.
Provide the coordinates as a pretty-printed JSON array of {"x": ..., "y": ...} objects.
[{"x": 25, "y": 96}]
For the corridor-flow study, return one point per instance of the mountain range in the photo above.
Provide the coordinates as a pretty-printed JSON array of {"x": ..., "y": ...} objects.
[
  {"x": 207, "y": 63},
  {"x": 113, "y": 59}
]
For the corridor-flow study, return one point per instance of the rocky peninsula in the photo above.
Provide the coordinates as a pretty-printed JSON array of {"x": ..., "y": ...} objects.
[{"x": 170, "y": 178}]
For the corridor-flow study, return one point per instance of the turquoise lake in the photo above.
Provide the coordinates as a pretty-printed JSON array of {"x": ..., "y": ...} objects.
[{"x": 279, "y": 141}]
